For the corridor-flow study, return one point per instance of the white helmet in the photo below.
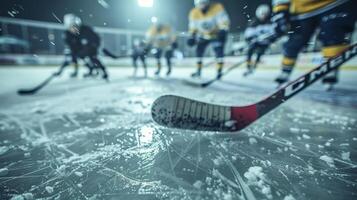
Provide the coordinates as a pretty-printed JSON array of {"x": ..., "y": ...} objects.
[
  {"x": 155, "y": 20},
  {"x": 201, "y": 3},
  {"x": 71, "y": 20},
  {"x": 137, "y": 42},
  {"x": 263, "y": 11}
]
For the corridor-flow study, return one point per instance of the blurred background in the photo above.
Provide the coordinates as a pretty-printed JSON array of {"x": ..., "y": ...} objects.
[{"x": 34, "y": 28}]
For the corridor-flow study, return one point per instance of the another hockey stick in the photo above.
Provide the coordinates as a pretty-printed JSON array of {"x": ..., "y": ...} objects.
[
  {"x": 208, "y": 83},
  {"x": 111, "y": 55},
  {"x": 37, "y": 88},
  {"x": 182, "y": 113}
]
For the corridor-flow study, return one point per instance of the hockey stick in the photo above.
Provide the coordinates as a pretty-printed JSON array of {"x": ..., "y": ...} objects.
[
  {"x": 261, "y": 38},
  {"x": 182, "y": 113},
  {"x": 209, "y": 64},
  {"x": 208, "y": 83},
  {"x": 111, "y": 55},
  {"x": 37, "y": 88}
]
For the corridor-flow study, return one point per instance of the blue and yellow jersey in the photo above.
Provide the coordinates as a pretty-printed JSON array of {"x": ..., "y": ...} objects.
[
  {"x": 160, "y": 37},
  {"x": 301, "y": 7},
  {"x": 207, "y": 25}
]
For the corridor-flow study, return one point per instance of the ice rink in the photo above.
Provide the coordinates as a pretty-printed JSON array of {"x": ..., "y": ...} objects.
[{"x": 88, "y": 139}]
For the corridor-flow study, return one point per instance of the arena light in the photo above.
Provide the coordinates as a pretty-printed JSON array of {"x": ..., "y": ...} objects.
[{"x": 146, "y": 3}]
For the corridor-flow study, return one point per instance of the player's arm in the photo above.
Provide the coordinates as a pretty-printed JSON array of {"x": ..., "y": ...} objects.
[
  {"x": 281, "y": 17},
  {"x": 249, "y": 34},
  {"x": 222, "y": 18},
  {"x": 223, "y": 23},
  {"x": 149, "y": 39},
  {"x": 173, "y": 39},
  {"x": 192, "y": 29}
]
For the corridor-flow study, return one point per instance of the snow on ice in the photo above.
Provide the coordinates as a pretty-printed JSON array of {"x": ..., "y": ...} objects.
[{"x": 328, "y": 160}]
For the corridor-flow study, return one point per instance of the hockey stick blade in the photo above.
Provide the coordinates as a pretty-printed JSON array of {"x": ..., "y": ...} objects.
[
  {"x": 183, "y": 113},
  {"x": 36, "y": 89}
]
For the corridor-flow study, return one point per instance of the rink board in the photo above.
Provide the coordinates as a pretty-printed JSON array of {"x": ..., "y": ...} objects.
[{"x": 307, "y": 60}]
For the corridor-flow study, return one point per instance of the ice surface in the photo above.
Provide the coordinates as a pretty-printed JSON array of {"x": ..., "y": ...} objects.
[
  {"x": 256, "y": 177},
  {"x": 87, "y": 139},
  {"x": 329, "y": 161},
  {"x": 4, "y": 171},
  {"x": 289, "y": 197},
  {"x": 49, "y": 189}
]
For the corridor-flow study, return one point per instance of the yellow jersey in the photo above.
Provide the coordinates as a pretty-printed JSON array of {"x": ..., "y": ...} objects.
[
  {"x": 299, "y": 7},
  {"x": 207, "y": 25},
  {"x": 160, "y": 37}
]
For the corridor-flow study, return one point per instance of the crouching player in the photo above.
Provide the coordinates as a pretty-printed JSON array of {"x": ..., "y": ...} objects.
[{"x": 83, "y": 43}]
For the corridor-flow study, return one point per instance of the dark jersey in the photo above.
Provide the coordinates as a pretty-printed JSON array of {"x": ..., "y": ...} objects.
[
  {"x": 85, "y": 39},
  {"x": 72, "y": 41}
]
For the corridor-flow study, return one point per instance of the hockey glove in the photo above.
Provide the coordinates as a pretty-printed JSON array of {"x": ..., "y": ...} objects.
[
  {"x": 192, "y": 41},
  {"x": 174, "y": 45}
]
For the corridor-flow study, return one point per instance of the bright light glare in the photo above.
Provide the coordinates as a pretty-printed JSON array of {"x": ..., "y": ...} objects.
[
  {"x": 146, "y": 3},
  {"x": 154, "y": 20}
]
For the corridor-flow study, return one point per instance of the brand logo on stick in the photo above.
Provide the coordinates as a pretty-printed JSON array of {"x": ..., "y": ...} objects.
[{"x": 311, "y": 77}]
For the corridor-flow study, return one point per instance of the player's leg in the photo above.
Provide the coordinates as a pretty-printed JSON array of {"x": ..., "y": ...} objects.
[
  {"x": 90, "y": 66},
  {"x": 299, "y": 36},
  {"x": 335, "y": 31},
  {"x": 75, "y": 65},
  {"x": 135, "y": 63},
  {"x": 158, "y": 55},
  {"x": 98, "y": 65},
  {"x": 251, "y": 50},
  {"x": 168, "y": 57},
  {"x": 66, "y": 63},
  {"x": 143, "y": 61},
  {"x": 200, "y": 51},
  {"x": 260, "y": 52},
  {"x": 218, "y": 48}
]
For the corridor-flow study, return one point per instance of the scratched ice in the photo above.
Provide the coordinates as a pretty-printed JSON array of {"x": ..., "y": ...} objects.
[{"x": 86, "y": 139}]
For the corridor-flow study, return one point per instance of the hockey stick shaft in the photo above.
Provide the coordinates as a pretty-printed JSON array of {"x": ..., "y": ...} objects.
[
  {"x": 37, "y": 88},
  {"x": 112, "y": 55},
  {"x": 304, "y": 81},
  {"x": 208, "y": 83},
  {"x": 183, "y": 113}
]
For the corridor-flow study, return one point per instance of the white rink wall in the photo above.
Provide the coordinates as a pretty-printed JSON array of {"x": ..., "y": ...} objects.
[{"x": 270, "y": 61}]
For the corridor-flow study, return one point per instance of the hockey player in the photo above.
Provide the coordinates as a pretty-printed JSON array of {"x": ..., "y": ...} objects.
[
  {"x": 72, "y": 43},
  {"x": 139, "y": 53},
  {"x": 260, "y": 27},
  {"x": 301, "y": 18},
  {"x": 83, "y": 43},
  {"x": 162, "y": 39},
  {"x": 208, "y": 24}
]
